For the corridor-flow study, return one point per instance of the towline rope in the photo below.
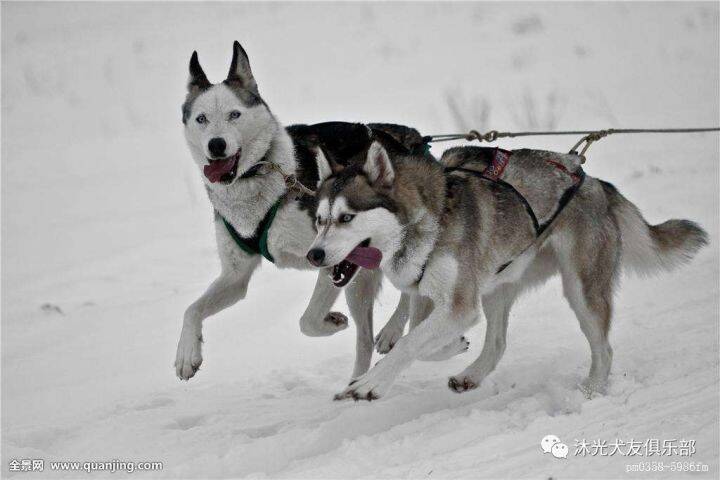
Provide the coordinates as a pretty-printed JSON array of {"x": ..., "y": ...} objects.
[{"x": 589, "y": 137}]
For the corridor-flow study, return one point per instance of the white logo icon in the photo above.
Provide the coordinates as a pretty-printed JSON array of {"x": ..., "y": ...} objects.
[
  {"x": 552, "y": 444},
  {"x": 547, "y": 443},
  {"x": 560, "y": 450}
]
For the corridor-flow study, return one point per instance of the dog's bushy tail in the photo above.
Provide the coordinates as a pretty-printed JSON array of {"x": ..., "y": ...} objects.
[{"x": 649, "y": 249}]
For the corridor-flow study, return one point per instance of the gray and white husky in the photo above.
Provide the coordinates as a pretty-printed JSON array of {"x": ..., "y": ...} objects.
[
  {"x": 456, "y": 241},
  {"x": 244, "y": 153}
]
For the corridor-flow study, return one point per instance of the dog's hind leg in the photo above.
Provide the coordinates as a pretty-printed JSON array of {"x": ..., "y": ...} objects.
[
  {"x": 318, "y": 320},
  {"x": 360, "y": 295},
  {"x": 226, "y": 290},
  {"x": 589, "y": 272}
]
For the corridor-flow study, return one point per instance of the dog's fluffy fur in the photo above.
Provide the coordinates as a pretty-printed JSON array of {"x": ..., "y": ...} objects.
[
  {"x": 444, "y": 237},
  {"x": 234, "y": 112}
]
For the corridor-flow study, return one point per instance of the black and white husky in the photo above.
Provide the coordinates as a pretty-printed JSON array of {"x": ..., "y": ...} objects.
[
  {"x": 244, "y": 155},
  {"x": 457, "y": 240}
]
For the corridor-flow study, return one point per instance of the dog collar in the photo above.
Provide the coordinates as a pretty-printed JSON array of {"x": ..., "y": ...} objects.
[
  {"x": 291, "y": 180},
  {"x": 253, "y": 171}
]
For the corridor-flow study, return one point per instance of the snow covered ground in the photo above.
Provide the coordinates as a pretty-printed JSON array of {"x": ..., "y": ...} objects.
[{"x": 107, "y": 237}]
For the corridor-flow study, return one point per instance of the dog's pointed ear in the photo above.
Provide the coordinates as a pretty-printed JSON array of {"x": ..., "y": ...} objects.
[
  {"x": 324, "y": 170},
  {"x": 197, "y": 76},
  {"x": 378, "y": 166},
  {"x": 326, "y": 167},
  {"x": 240, "y": 69}
]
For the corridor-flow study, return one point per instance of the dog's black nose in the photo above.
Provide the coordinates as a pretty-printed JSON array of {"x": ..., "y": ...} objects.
[
  {"x": 316, "y": 256},
  {"x": 217, "y": 147}
]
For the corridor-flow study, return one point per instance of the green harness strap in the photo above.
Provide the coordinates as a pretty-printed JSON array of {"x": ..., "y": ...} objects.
[
  {"x": 257, "y": 244},
  {"x": 267, "y": 222}
]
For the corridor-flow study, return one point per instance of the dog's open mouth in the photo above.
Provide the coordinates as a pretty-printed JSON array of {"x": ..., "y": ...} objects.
[
  {"x": 222, "y": 170},
  {"x": 361, "y": 256}
]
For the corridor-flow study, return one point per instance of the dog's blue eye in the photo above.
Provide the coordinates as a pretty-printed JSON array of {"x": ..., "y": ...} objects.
[
  {"x": 201, "y": 118},
  {"x": 234, "y": 115},
  {"x": 345, "y": 218}
]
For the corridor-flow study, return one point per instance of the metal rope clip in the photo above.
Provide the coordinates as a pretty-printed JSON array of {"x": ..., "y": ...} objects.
[
  {"x": 588, "y": 140},
  {"x": 292, "y": 183},
  {"x": 490, "y": 136}
]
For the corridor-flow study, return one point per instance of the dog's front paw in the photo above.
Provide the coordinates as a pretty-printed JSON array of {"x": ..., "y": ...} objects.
[
  {"x": 387, "y": 338},
  {"x": 373, "y": 385},
  {"x": 346, "y": 395},
  {"x": 461, "y": 383},
  {"x": 336, "y": 321},
  {"x": 189, "y": 354},
  {"x": 332, "y": 323}
]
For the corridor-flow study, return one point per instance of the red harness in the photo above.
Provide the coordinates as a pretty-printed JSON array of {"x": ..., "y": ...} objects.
[{"x": 497, "y": 167}]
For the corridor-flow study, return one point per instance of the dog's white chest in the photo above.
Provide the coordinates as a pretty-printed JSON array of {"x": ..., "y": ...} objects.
[{"x": 290, "y": 237}]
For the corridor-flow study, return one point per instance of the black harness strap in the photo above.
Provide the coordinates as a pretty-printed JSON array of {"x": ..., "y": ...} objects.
[
  {"x": 564, "y": 200},
  {"x": 252, "y": 171},
  {"x": 492, "y": 174},
  {"x": 504, "y": 184}
]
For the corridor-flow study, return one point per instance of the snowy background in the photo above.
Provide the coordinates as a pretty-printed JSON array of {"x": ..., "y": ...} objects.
[{"x": 107, "y": 237}]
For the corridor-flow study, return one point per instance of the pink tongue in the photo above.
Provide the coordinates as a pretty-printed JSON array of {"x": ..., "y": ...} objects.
[
  {"x": 366, "y": 257},
  {"x": 215, "y": 170}
]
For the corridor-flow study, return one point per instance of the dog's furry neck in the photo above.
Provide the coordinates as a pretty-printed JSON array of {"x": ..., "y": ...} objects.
[
  {"x": 245, "y": 202},
  {"x": 424, "y": 187}
]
